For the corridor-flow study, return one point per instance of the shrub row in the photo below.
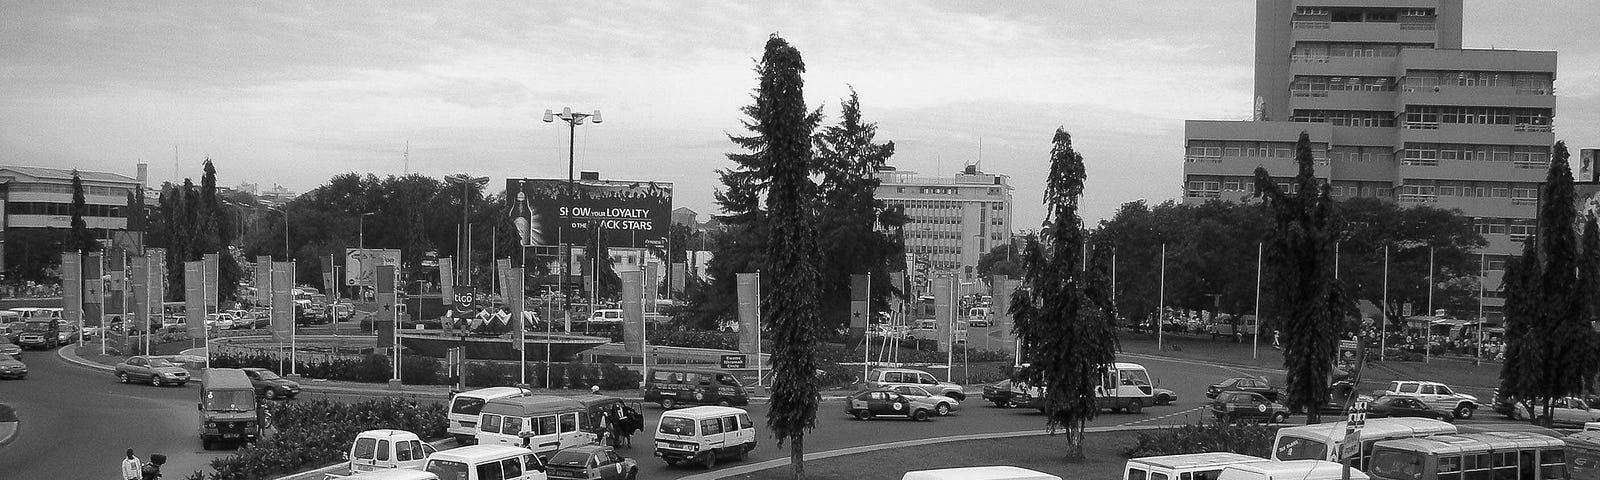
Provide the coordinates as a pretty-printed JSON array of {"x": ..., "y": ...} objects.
[
  {"x": 418, "y": 370},
  {"x": 608, "y": 376},
  {"x": 1255, "y": 440},
  {"x": 314, "y": 433}
]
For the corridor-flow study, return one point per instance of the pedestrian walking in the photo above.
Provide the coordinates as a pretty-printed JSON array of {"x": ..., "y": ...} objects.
[
  {"x": 1275, "y": 335},
  {"x": 130, "y": 467},
  {"x": 152, "y": 469}
]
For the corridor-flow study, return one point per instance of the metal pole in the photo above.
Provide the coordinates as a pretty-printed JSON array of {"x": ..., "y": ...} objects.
[
  {"x": 950, "y": 353},
  {"x": 1255, "y": 344},
  {"x": 1483, "y": 271},
  {"x": 866, "y": 334},
  {"x": 1161, "y": 302},
  {"x": 566, "y": 264},
  {"x": 758, "y": 327},
  {"x": 1383, "y": 320},
  {"x": 1427, "y": 332},
  {"x": 293, "y": 329}
]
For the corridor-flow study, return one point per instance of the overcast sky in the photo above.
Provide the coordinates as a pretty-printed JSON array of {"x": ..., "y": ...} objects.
[{"x": 293, "y": 93}]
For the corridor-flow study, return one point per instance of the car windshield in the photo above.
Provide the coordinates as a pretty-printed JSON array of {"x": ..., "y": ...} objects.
[
  {"x": 465, "y": 405},
  {"x": 447, "y": 469},
  {"x": 266, "y": 374},
  {"x": 1134, "y": 377},
  {"x": 36, "y": 326},
  {"x": 239, "y": 400},
  {"x": 1395, "y": 464},
  {"x": 569, "y": 458},
  {"x": 160, "y": 362},
  {"x": 677, "y": 426},
  {"x": 1296, "y": 448}
]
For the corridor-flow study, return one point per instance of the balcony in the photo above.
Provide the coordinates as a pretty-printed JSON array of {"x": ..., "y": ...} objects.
[
  {"x": 1239, "y": 166},
  {"x": 1477, "y": 133},
  {"x": 1470, "y": 169},
  {"x": 1342, "y": 66},
  {"x": 1496, "y": 207},
  {"x": 1318, "y": 31},
  {"x": 1342, "y": 99},
  {"x": 1475, "y": 96}
]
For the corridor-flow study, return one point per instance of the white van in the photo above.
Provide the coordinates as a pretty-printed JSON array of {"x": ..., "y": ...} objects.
[
  {"x": 1290, "y": 470},
  {"x": 997, "y": 472},
  {"x": 465, "y": 406},
  {"x": 704, "y": 435},
  {"x": 606, "y": 316},
  {"x": 1189, "y": 466},
  {"x": 486, "y": 462},
  {"x": 980, "y": 317},
  {"x": 392, "y": 475},
  {"x": 388, "y": 449},
  {"x": 542, "y": 423},
  {"x": 1322, "y": 441}
]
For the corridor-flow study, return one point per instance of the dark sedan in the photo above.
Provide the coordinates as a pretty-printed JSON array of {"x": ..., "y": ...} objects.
[
  {"x": 271, "y": 386},
  {"x": 1243, "y": 384},
  {"x": 1005, "y": 394},
  {"x": 1398, "y": 406},
  {"x": 10, "y": 367},
  {"x": 8, "y": 348}
]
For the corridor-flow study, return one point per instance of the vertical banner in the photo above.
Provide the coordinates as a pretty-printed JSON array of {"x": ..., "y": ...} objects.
[
  {"x": 860, "y": 309},
  {"x": 116, "y": 268},
  {"x": 281, "y": 292},
  {"x": 72, "y": 287},
  {"x": 158, "y": 285},
  {"x": 943, "y": 310},
  {"x": 632, "y": 309},
  {"x": 898, "y": 281},
  {"x": 213, "y": 275},
  {"x": 263, "y": 281},
  {"x": 1003, "y": 288},
  {"x": 139, "y": 290},
  {"x": 327, "y": 278},
  {"x": 679, "y": 276},
  {"x": 447, "y": 279},
  {"x": 194, "y": 297},
  {"x": 94, "y": 293},
  {"x": 652, "y": 285},
  {"x": 388, "y": 313},
  {"x": 748, "y": 286},
  {"x": 514, "y": 302},
  {"x": 502, "y": 269}
]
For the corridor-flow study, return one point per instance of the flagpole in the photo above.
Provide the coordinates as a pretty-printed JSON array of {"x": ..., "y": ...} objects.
[
  {"x": 1427, "y": 332},
  {"x": 758, "y": 327},
  {"x": 1255, "y": 343},
  {"x": 1161, "y": 301},
  {"x": 1383, "y": 320},
  {"x": 866, "y": 334},
  {"x": 1483, "y": 271}
]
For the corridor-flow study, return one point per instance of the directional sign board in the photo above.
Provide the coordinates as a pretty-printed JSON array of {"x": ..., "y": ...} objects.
[{"x": 733, "y": 361}]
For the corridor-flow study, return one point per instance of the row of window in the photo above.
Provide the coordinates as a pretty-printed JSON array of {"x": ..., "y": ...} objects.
[
  {"x": 1531, "y": 81},
  {"x": 1346, "y": 118},
  {"x": 1419, "y": 114},
  {"x": 1311, "y": 51},
  {"x": 67, "y": 189},
  {"x": 1457, "y": 188},
  {"x": 1213, "y": 149},
  {"x": 1358, "y": 14},
  {"x": 51, "y": 208},
  {"x": 1308, "y": 85},
  {"x": 1361, "y": 154},
  {"x": 1517, "y": 228},
  {"x": 1428, "y": 154}
]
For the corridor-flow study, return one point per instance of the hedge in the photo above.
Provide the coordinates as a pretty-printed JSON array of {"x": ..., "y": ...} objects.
[
  {"x": 418, "y": 370},
  {"x": 1254, "y": 440},
  {"x": 314, "y": 433}
]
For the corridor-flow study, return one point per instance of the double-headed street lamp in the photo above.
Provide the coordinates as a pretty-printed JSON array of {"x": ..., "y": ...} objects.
[
  {"x": 361, "y": 232},
  {"x": 573, "y": 119}
]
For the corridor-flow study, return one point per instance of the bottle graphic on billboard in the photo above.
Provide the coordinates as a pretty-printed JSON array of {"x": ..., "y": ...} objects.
[{"x": 525, "y": 220}]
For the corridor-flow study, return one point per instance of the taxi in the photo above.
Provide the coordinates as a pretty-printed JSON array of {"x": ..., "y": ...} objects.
[{"x": 885, "y": 402}]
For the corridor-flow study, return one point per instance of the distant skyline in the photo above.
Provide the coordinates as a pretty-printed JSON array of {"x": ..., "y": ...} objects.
[{"x": 293, "y": 93}]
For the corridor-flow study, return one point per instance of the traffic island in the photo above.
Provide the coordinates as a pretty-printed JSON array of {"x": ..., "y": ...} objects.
[{"x": 8, "y": 424}]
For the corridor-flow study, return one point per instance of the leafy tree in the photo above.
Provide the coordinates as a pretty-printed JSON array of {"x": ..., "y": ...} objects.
[
  {"x": 1211, "y": 259},
  {"x": 1367, "y": 225},
  {"x": 854, "y": 226},
  {"x": 80, "y": 238},
  {"x": 791, "y": 251},
  {"x": 1001, "y": 260},
  {"x": 1300, "y": 245},
  {"x": 1064, "y": 317}
]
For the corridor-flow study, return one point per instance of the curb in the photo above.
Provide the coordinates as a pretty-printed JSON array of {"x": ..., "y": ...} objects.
[
  {"x": 779, "y": 462},
  {"x": 75, "y": 359},
  {"x": 8, "y": 432}
]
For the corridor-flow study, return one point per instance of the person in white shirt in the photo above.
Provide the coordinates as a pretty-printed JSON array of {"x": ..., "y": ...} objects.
[{"x": 130, "y": 467}]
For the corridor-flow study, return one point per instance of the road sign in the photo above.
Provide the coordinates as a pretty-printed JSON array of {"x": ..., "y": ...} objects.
[
  {"x": 1357, "y": 418},
  {"x": 733, "y": 361}
]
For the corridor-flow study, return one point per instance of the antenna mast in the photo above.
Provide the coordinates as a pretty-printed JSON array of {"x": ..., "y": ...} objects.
[
  {"x": 174, "y": 164},
  {"x": 408, "y": 158}
]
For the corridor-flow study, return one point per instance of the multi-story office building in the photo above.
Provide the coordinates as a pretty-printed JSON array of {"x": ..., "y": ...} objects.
[
  {"x": 34, "y": 199},
  {"x": 1395, "y": 109},
  {"x": 954, "y": 220}
]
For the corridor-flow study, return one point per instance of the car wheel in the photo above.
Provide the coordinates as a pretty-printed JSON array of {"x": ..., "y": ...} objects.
[
  {"x": 943, "y": 409},
  {"x": 1136, "y": 407},
  {"x": 920, "y": 415},
  {"x": 155, "y": 380},
  {"x": 122, "y": 377},
  {"x": 633, "y": 473},
  {"x": 1230, "y": 419},
  {"x": 1464, "y": 411},
  {"x": 744, "y": 453},
  {"x": 863, "y": 415},
  {"x": 711, "y": 460},
  {"x": 206, "y": 444},
  {"x": 272, "y": 394},
  {"x": 1280, "y": 417},
  {"x": 671, "y": 461},
  {"x": 1002, "y": 403},
  {"x": 668, "y": 403},
  {"x": 1164, "y": 399}
]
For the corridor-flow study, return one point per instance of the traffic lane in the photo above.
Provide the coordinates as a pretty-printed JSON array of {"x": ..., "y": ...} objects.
[{"x": 77, "y": 422}]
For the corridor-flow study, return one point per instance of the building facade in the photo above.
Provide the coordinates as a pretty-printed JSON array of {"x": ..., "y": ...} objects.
[
  {"x": 953, "y": 220},
  {"x": 39, "y": 199},
  {"x": 1395, "y": 109}
]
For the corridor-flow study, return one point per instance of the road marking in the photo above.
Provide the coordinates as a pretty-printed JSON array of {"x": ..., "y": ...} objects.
[{"x": 1170, "y": 415}]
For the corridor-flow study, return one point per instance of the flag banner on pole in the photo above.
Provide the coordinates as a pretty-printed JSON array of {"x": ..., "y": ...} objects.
[
  {"x": 860, "y": 312},
  {"x": 139, "y": 290},
  {"x": 282, "y": 295},
  {"x": 117, "y": 290},
  {"x": 213, "y": 275},
  {"x": 263, "y": 281},
  {"x": 388, "y": 313},
  {"x": 1003, "y": 287},
  {"x": 72, "y": 287},
  {"x": 447, "y": 278},
  {"x": 327, "y": 276},
  {"x": 158, "y": 284},
  {"x": 943, "y": 311},
  {"x": 93, "y": 285},
  {"x": 652, "y": 284},
  {"x": 680, "y": 271},
  {"x": 514, "y": 302},
  {"x": 749, "y": 289},
  {"x": 502, "y": 269},
  {"x": 194, "y": 305},
  {"x": 632, "y": 310}
]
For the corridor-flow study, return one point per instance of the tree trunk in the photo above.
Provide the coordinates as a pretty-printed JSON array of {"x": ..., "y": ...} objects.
[
  {"x": 797, "y": 455},
  {"x": 1075, "y": 442}
]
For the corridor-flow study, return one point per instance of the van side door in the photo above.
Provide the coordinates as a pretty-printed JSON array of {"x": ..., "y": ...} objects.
[
  {"x": 747, "y": 431},
  {"x": 569, "y": 434},
  {"x": 711, "y": 436}
]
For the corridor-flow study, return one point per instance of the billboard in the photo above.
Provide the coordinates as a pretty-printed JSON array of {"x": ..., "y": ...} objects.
[
  {"x": 361, "y": 265},
  {"x": 627, "y": 214}
]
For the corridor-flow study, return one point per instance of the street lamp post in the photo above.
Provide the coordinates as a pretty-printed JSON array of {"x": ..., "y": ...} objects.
[
  {"x": 466, "y": 182},
  {"x": 361, "y": 232},
  {"x": 573, "y": 119}
]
